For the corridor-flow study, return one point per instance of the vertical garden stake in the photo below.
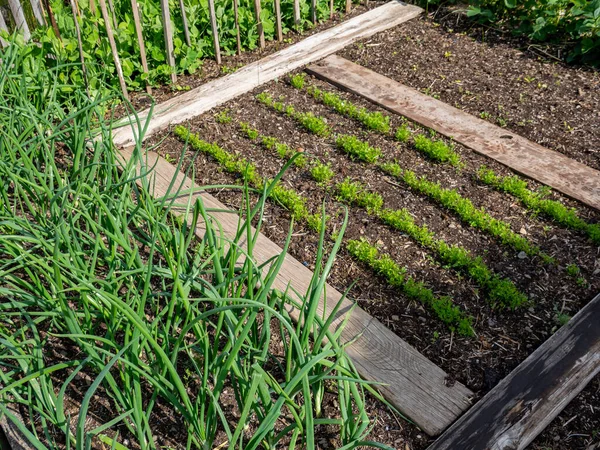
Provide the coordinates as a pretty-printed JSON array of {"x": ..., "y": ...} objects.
[
  {"x": 259, "y": 24},
  {"x": 93, "y": 7},
  {"x": 52, "y": 19},
  {"x": 313, "y": 10},
  {"x": 215, "y": 30},
  {"x": 17, "y": 12},
  {"x": 113, "y": 47},
  {"x": 237, "y": 27},
  {"x": 186, "y": 30},
  {"x": 113, "y": 15},
  {"x": 297, "y": 18},
  {"x": 278, "y": 20},
  {"x": 79, "y": 44},
  {"x": 348, "y": 6},
  {"x": 140, "y": 37},
  {"x": 166, "y": 16},
  {"x": 38, "y": 12},
  {"x": 3, "y": 27},
  {"x": 331, "y": 9}
]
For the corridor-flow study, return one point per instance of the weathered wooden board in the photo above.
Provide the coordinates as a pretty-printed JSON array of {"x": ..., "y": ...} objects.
[
  {"x": 415, "y": 385},
  {"x": 547, "y": 166},
  {"x": 209, "y": 95},
  {"x": 512, "y": 414}
]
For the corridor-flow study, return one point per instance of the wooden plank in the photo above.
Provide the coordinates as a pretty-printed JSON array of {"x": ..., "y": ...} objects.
[
  {"x": 415, "y": 385},
  {"x": 512, "y": 414},
  {"x": 135, "y": 8},
  {"x": 20, "y": 22},
  {"x": 528, "y": 158},
  {"x": 317, "y": 46},
  {"x": 113, "y": 47},
  {"x": 168, "y": 32},
  {"x": 278, "y": 20},
  {"x": 215, "y": 31},
  {"x": 259, "y": 25}
]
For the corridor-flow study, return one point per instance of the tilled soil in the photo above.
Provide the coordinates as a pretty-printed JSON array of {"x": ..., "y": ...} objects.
[
  {"x": 478, "y": 70},
  {"x": 504, "y": 338}
]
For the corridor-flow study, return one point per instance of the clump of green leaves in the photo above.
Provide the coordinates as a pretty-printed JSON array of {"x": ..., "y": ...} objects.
[
  {"x": 354, "y": 192},
  {"x": 402, "y": 133},
  {"x": 437, "y": 150},
  {"x": 375, "y": 121},
  {"x": 298, "y": 80},
  {"x": 288, "y": 198},
  {"x": 536, "y": 202},
  {"x": 464, "y": 209},
  {"x": 396, "y": 276},
  {"x": 223, "y": 117},
  {"x": 322, "y": 173},
  {"x": 314, "y": 124},
  {"x": 358, "y": 149},
  {"x": 283, "y": 150}
]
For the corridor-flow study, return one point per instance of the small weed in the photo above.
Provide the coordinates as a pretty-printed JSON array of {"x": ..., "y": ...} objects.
[
  {"x": 170, "y": 159},
  {"x": 322, "y": 173},
  {"x": 402, "y": 133},
  {"x": 252, "y": 133},
  {"x": 223, "y": 117},
  {"x": 484, "y": 115},
  {"x": 573, "y": 270},
  {"x": 561, "y": 318},
  {"x": 358, "y": 149},
  {"x": 298, "y": 80}
]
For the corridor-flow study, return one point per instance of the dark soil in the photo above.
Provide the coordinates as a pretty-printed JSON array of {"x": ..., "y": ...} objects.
[
  {"x": 476, "y": 69},
  {"x": 504, "y": 338}
]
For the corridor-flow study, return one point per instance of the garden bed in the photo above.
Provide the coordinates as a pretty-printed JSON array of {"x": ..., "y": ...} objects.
[{"x": 556, "y": 271}]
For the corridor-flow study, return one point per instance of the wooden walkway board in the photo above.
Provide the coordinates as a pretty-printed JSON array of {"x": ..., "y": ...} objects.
[
  {"x": 547, "y": 166},
  {"x": 512, "y": 414},
  {"x": 413, "y": 384},
  {"x": 317, "y": 46}
]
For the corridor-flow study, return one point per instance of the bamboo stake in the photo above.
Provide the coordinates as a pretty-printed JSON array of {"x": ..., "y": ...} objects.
[
  {"x": 237, "y": 27},
  {"x": 17, "y": 12},
  {"x": 215, "y": 31},
  {"x": 93, "y": 7},
  {"x": 166, "y": 16},
  {"x": 113, "y": 15},
  {"x": 278, "y": 20},
  {"x": 297, "y": 18},
  {"x": 113, "y": 47},
  {"x": 76, "y": 18},
  {"x": 140, "y": 37},
  {"x": 331, "y": 9},
  {"x": 313, "y": 10},
  {"x": 37, "y": 12},
  {"x": 348, "y": 6},
  {"x": 3, "y": 27},
  {"x": 259, "y": 25},
  {"x": 186, "y": 30},
  {"x": 52, "y": 19}
]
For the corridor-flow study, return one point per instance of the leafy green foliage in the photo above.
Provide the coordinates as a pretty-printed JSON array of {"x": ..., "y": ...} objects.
[
  {"x": 288, "y": 198},
  {"x": 353, "y": 192},
  {"x": 358, "y": 149},
  {"x": 446, "y": 310},
  {"x": 284, "y": 151},
  {"x": 223, "y": 117},
  {"x": 371, "y": 120},
  {"x": 464, "y": 209},
  {"x": 322, "y": 173},
  {"x": 314, "y": 124},
  {"x": 575, "y": 24},
  {"x": 402, "y": 133},
  {"x": 536, "y": 202},
  {"x": 161, "y": 322},
  {"x": 298, "y": 80},
  {"x": 437, "y": 150}
]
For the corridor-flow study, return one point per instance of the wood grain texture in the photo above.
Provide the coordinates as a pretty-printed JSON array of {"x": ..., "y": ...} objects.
[
  {"x": 512, "y": 414},
  {"x": 3, "y": 27},
  {"x": 259, "y": 25},
  {"x": 297, "y": 17},
  {"x": 19, "y": 16},
  {"x": 278, "y": 20},
  {"x": 415, "y": 385},
  {"x": 186, "y": 30},
  {"x": 317, "y": 46},
  {"x": 528, "y": 158},
  {"x": 36, "y": 7}
]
